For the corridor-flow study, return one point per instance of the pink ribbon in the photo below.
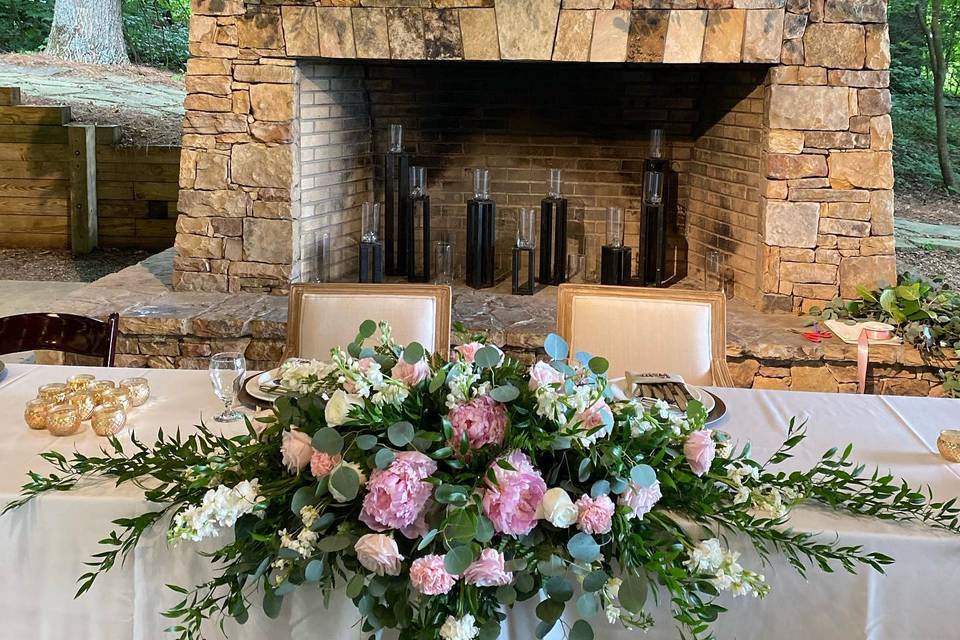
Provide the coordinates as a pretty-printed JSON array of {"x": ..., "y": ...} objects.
[{"x": 863, "y": 352}]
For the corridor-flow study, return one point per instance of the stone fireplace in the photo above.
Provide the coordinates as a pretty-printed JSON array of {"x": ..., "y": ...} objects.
[{"x": 776, "y": 114}]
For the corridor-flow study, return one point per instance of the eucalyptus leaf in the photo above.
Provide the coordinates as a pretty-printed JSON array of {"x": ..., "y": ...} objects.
[
  {"x": 272, "y": 603},
  {"x": 599, "y": 365},
  {"x": 355, "y": 586},
  {"x": 506, "y": 595},
  {"x": 427, "y": 539},
  {"x": 558, "y": 588},
  {"x": 523, "y": 582},
  {"x": 413, "y": 353},
  {"x": 345, "y": 481},
  {"x": 595, "y": 581},
  {"x": 401, "y": 434},
  {"x": 550, "y": 610},
  {"x": 313, "y": 571},
  {"x": 599, "y": 488},
  {"x": 583, "y": 547},
  {"x": 367, "y": 329},
  {"x": 633, "y": 592},
  {"x": 489, "y": 631},
  {"x": 328, "y": 440},
  {"x": 384, "y": 458},
  {"x": 581, "y": 630},
  {"x": 643, "y": 475},
  {"x": 458, "y": 559},
  {"x": 366, "y": 442},
  {"x": 437, "y": 381},
  {"x": 487, "y": 357},
  {"x": 556, "y": 347},
  {"x": 302, "y": 497},
  {"x": 583, "y": 358},
  {"x": 505, "y": 393},
  {"x": 588, "y": 605},
  {"x": 451, "y": 494},
  {"x": 323, "y": 522},
  {"x": 484, "y": 531},
  {"x": 333, "y": 544}
]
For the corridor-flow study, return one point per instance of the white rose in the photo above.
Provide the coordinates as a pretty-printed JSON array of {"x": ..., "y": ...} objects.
[
  {"x": 338, "y": 407},
  {"x": 463, "y": 629},
  {"x": 558, "y": 508},
  {"x": 339, "y": 497}
]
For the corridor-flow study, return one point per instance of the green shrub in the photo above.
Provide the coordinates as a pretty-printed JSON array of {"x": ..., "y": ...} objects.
[
  {"x": 24, "y": 24},
  {"x": 156, "y": 32}
]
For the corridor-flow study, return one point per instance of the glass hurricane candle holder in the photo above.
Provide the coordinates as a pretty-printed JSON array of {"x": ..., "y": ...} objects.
[
  {"x": 53, "y": 392},
  {"x": 99, "y": 387},
  {"x": 35, "y": 413},
  {"x": 80, "y": 382},
  {"x": 63, "y": 420},
  {"x": 117, "y": 397},
  {"x": 83, "y": 402},
  {"x": 949, "y": 445},
  {"x": 108, "y": 420},
  {"x": 138, "y": 389}
]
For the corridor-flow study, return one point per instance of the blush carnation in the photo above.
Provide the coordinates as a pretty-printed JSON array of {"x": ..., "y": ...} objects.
[
  {"x": 700, "y": 450},
  {"x": 430, "y": 577},
  {"x": 397, "y": 496},
  {"x": 296, "y": 450},
  {"x": 639, "y": 499},
  {"x": 483, "y": 419},
  {"x": 410, "y": 374},
  {"x": 513, "y": 502},
  {"x": 543, "y": 374},
  {"x": 595, "y": 514},
  {"x": 488, "y": 570},
  {"x": 379, "y": 553},
  {"x": 321, "y": 464},
  {"x": 596, "y": 416}
]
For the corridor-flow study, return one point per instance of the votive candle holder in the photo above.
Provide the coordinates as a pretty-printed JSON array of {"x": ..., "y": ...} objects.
[
  {"x": 116, "y": 396},
  {"x": 138, "y": 389},
  {"x": 949, "y": 445},
  {"x": 108, "y": 419},
  {"x": 99, "y": 387},
  {"x": 84, "y": 403},
  {"x": 63, "y": 420},
  {"x": 80, "y": 382},
  {"x": 35, "y": 413},
  {"x": 54, "y": 392}
]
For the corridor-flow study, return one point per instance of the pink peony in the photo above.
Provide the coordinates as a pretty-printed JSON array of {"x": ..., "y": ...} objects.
[
  {"x": 429, "y": 577},
  {"x": 488, "y": 570},
  {"x": 410, "y": 374},
  {"x": 483, "y": 419},
  {"x": 700, "y": 450},
  {"x": 595, "y": 514},
  {"x": 640, "y": 499},
  {"x": 296, "y": 449},
  {"x": 379, "y": 554},
  {"x": 542, "y": 374},
  {"x": 397, "y": 496},
  {"x": 594, "y": 417},
  {"x": 513, "y": 502},
  {"x": 321, "y": 464}
]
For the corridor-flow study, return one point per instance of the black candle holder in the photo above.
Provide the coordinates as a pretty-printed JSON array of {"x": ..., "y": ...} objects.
[
  {"x": 481, "y": 233},
  {"x": 651, "y": 257},
  {"x": 553, "y": 234},
  {"x": 396, "y": 186},
  {"x": 522, "y": 273},
  {"x": 417, "y": 228},
  {"x": 371, "y": 262},
  {"x": 615, "y": 263}
]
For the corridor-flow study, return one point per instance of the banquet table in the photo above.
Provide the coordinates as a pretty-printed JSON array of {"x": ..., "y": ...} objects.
[{"x": 45, "y": 544}]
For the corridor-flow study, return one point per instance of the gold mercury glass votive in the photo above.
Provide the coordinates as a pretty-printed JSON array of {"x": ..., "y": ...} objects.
[
  {"x": 84, "y": 403},
  {"x": 108, "y": 419},
  {"x": 116, "y": 396},
  {"x": 80, "y": 382},
  {"x": 99, "y": 387},
  {"x": 53, "y": 392},
  {"x": 63, "y": 420},
  {"x": 35, "y": 413},
  {"x": 138, "y": 389},
  {"x": 949, "y": 444}
]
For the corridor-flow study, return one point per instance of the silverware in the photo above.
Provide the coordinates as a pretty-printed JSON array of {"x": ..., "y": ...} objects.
[{"x": 680, "y": 395}]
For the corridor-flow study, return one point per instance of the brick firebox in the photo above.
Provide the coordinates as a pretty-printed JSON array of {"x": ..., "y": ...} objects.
[{"x": 778, "y": 111}]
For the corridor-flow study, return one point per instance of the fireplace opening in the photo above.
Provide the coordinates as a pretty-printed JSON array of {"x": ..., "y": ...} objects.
[{"x": 518, "y": 120}]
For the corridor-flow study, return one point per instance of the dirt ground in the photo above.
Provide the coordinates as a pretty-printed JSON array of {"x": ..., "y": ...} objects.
[{"x": 935, "y": 208}]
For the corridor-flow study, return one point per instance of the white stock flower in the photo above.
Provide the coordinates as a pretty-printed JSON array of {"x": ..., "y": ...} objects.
[
  {"x": 303, "y": 376},
  {"x": 309, "y": 515},
  {"x": 338, "y": 407},
  {"x": 463, "y": 629},
  {"x": 613, "y": 613},
  {"x": 550, "y": 405},
  {"x": 219, "y": 509},
  {"x": 661, "y": 408},
  {"x": 558, "y": 509},
  {"x": 612, "y": 588},
  {"x": 394, "y": 393},
  {"x": 706, "y": 557}
]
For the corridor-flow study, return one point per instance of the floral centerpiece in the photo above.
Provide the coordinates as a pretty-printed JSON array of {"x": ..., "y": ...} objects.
[{"x": 438, "y": 492}]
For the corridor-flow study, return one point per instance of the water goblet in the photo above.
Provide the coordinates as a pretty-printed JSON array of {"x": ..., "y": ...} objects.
[{"x": 226, "y": 374}]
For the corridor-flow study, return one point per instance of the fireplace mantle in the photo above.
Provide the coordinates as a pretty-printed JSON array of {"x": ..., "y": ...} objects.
[{"x": 817, "y": 133}]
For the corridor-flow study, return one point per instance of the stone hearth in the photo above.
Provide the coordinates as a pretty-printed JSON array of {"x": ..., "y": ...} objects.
[{"x": 783, "y": 146}]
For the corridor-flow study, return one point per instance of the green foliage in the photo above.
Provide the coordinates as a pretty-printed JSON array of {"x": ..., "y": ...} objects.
[
  {"x": 24, "y": 24},
  {"x": 156, "y": 32}
]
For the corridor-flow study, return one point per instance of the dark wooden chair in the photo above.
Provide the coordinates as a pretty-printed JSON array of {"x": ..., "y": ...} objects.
[{"x": 60, "y": 332}]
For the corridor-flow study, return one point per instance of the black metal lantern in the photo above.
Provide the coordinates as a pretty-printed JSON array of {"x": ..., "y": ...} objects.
[
  {"x": 371, "y": 247},
  {"x": 662, "y": 256},
  {"x": 481, "y": 233},
  {"x": 615, "y": 258},
  {"x": 416, "y": 237},
  {"x": 553, "y": 233},
  {"x": 396, "y": 187},
  {"x": 523, "y": 251}
]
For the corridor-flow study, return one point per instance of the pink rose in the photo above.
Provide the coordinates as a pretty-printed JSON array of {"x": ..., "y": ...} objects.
[
  {"x": 483, "y": 419},
  {"x": 594, "y": 417},
  {"x": 700, "y": 450},
  {"x": 321, "y": 464},
  {"x": 595, "y": 514},
  {"x": 410, "y": 374},
  {"x": 429, "y": 577},
  {"x": 542, "y": 374},
  {"x": 488, "y": 570},
  {"x": 640, "y": 499},
  {"x": 397, "y": 496},
  {"x": 296, "y": 449},
  {"x": 379, "y": 554},
  {"x": 467, "y": 352},
  {"x": 512, "y": 503}
]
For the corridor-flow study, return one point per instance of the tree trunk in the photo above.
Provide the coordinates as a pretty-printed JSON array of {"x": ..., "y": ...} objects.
[
  {"x": 938, "y": 66},
  {"x": 88, "y": 31}
]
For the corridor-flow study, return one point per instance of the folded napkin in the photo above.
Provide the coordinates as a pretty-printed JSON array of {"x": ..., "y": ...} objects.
[
  {"x": 653, "y": 378},
  {"x": 850, "y": 333}
]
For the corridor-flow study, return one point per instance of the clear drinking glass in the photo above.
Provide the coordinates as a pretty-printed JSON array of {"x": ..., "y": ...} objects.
[
  {"x": 226, "y": 375},
  {"x": 712, "y": 270},
  {"x": 526, "y": 228},
  {"x": 443, "y": 256},
  {"x": 576, "y": 268},
  {"x": 653, "y": 187},
  {"x": 614, "y": 227},
  {"x": 396, "y": 138},
  {"x": 370, "y": 222},
  {"x": 322, "y": 257},
  {"x": 656, "y": 143},
  {"x": 418, "y": 181},
  {"x": 481, "y": 184},
  {"x": 727, "y": 280},
  {"x": 553, "y": 185}
]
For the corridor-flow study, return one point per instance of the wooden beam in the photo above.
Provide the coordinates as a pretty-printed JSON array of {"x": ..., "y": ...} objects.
[
  {"x": 9, "y": 96},
  {"x": 34, "y": 115},
  {"x": 83, "y": 188}
]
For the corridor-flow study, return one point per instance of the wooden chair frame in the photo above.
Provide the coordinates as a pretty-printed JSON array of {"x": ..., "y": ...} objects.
[
  {"x": 718, "y": 321},
  {"x": 60, "y": 332},
  {"x": 442, "y": 295}
]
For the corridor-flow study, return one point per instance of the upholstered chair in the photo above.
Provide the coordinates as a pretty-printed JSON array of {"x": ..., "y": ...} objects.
[
  {"x": 323, "y": 316},
  {"x": 648, "y": 330}
]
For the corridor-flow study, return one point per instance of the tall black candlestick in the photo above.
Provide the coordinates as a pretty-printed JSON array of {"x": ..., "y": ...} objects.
[
  {"x": 553, "y": 234},
  {"x": 396, "y": 186},
  {"x": 481, "y": 234},
  {"x": 417, "y": 230}
]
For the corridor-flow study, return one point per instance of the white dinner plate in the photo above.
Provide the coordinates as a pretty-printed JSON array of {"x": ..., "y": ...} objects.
[{"x": 253, "y": 385}]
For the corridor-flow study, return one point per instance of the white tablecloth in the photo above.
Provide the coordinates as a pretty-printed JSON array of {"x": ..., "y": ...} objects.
[{"x": 45, "y": 544}]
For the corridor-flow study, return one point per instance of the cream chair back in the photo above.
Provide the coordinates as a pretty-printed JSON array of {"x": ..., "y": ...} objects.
[
  {"x": 324, "y": 316},
  {"x": 648, "y": 330}
]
